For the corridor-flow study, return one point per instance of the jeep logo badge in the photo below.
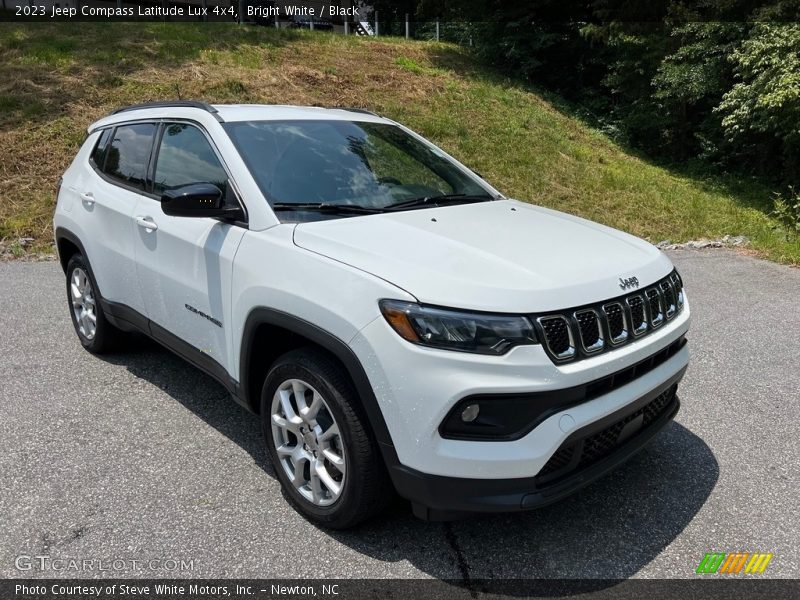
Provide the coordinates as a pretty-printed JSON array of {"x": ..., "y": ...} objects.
[{"x": 630, "y": 282}]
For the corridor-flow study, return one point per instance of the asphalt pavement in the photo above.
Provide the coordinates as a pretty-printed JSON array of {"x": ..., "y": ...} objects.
[{"x": 138, "y": 457}]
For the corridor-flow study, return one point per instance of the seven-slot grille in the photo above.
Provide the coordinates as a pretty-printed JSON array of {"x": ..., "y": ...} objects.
[{"x": 575, "y": 334}]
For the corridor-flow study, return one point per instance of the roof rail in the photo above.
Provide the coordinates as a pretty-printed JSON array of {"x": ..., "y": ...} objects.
[{"x": 172, "y": 104}]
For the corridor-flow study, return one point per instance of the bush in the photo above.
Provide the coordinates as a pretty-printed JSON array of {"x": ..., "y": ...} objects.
[{"x": 787, "y": 210}]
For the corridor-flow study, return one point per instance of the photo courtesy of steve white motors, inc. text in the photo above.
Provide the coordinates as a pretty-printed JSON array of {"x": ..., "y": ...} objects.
[{"x": 212, "y": 590}]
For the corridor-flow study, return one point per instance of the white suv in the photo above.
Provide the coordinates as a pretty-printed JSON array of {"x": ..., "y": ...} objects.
[{"x": 394, "y": 320}]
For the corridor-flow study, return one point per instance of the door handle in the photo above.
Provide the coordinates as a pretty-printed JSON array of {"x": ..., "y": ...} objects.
[
  {"x": 147, "y": 223},
  {"x": 87, "y": 198}
]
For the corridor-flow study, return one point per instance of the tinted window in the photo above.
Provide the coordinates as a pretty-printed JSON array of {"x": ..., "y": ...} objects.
[
  {"x": 186, "y": 157},
  {"x": 129, "y": 153},
  {"x": 99, "y": 152}
]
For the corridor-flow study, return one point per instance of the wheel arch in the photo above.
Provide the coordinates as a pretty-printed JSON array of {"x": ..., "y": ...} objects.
[
  {"x": 269, "y": 333},
  {"x": 67, "y": 245}
]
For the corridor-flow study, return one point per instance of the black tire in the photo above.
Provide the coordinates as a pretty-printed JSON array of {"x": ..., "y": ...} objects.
[
  {"x": 367, "y": 489},
  {"x": 106, "y": 337}
]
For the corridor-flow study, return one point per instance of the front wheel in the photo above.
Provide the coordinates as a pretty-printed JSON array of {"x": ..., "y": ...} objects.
[{"x": 318, "y": 441}]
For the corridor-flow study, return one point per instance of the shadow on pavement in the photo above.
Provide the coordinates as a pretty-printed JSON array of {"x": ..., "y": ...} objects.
[{"x": 607, "y": 532}]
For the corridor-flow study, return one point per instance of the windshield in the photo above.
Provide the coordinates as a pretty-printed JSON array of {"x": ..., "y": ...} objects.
[{"x": 346, "y": 164}]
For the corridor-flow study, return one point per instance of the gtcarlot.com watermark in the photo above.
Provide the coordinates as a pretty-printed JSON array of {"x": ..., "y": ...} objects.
[{"x": 44, "y": 562}]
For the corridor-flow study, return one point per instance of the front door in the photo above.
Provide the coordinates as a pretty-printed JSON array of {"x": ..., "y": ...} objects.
[{"x": 184, "y": 264}]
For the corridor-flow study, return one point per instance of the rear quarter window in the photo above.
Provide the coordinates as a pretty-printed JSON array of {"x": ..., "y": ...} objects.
[{"x": 99, "y": 153}]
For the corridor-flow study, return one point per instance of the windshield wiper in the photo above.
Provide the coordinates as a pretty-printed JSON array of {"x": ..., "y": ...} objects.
[
  {"x": 438, "y": 201},
  {"x": 357, "y": 209},
  {"x": 326, "y": 207}
]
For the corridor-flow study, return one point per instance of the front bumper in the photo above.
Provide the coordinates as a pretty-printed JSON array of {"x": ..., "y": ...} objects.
[
  {"x": 416, "y": 388},
  {"x": 584, "y": 456}
]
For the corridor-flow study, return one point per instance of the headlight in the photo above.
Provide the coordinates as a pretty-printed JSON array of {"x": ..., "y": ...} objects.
[{"x": 481, "y": 333}]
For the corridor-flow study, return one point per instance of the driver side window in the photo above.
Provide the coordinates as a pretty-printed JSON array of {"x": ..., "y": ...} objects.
[{"x": 185, "y": 157}]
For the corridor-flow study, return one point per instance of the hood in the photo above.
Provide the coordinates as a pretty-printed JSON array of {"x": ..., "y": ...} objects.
[{"x": 502, "y": 256}]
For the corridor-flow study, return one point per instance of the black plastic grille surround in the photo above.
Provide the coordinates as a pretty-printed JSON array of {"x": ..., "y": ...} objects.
[
  {"x": 576, "y": 455},
  {"x": 581, "y": 332}
]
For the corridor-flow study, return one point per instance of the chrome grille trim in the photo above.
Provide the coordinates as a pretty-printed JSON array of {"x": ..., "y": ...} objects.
[
  {"x": 587, "y": 316},
  {"x": 636, "y": 303},
  {"x": 569, "y": 335},
  {"x": 548, "y": 325},
  {"x": 668, "y": 293},
  {"x": 609, "y": 311},
  {"x": 677, "y": 285},
  {"x": 653, "y": 296}
]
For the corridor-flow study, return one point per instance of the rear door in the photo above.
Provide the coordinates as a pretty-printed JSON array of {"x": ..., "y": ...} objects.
[
  {"x": 108, "y": 197},
  {"x": 185, "y": 263}
]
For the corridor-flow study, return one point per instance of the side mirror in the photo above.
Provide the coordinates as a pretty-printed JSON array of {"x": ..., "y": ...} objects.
[{"x": 198, "y": 200}]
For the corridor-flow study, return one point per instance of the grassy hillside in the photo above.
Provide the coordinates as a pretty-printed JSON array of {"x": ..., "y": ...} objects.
[{"x": 56, "y": 79}]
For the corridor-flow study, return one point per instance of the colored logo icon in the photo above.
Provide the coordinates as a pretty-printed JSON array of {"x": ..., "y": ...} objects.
[{"x": 734, "y": 563}]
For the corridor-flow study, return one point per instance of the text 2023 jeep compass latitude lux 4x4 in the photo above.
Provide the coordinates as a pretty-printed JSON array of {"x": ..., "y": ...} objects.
[{"x": 393, "y": 319}]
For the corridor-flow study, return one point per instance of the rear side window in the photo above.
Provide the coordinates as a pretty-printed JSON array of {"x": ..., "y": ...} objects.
[
  {"x": 99, "y": 152},
  {"x": 184, "y": 157},
  {"x": 129, "y": 153}
]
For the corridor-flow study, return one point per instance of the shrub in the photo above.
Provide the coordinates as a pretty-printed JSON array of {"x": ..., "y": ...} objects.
[{"x": 787, "y": 210}]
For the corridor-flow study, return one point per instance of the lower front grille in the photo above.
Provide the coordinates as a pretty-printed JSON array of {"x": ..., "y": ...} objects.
[
  {"x": 576, "y": 455},
  {"x": 560, "y": 460}
]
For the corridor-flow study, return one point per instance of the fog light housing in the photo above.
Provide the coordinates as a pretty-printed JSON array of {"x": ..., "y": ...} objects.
[{"x": 505, "y": 417}]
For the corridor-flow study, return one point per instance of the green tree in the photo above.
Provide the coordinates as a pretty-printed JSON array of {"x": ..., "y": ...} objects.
[
  {"x": 762, "y": 109},
  {"x": 691, "y": 81}
]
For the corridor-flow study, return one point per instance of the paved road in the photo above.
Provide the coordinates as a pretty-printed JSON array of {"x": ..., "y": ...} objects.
[{"x": 139, "y": 456}]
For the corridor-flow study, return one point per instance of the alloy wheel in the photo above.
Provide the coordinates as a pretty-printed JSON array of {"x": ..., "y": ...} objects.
[
  {"x": 83, "y": 303},
  {"x": 308, "y": 442}
]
